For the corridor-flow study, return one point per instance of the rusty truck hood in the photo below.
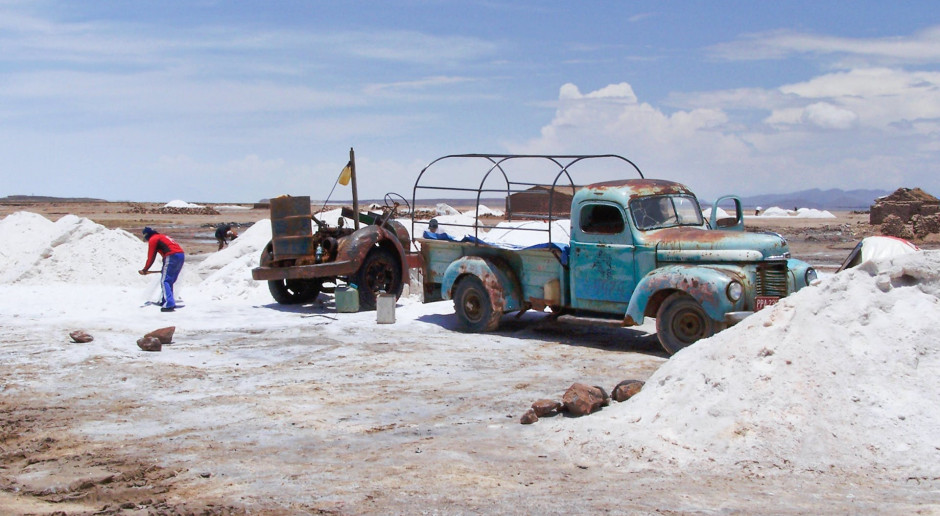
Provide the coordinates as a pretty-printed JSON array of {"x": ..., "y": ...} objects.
[{"x": 697, "y": 244}]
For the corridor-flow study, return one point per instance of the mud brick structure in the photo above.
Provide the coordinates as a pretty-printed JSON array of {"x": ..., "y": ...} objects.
[{"x": 904, "y": 203}]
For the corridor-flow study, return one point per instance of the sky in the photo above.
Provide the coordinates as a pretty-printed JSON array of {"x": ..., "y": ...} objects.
[{"x": 236, "y": 101}]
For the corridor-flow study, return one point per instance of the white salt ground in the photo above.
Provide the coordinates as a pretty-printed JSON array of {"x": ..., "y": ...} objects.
[{"x": 844, "y": 375}]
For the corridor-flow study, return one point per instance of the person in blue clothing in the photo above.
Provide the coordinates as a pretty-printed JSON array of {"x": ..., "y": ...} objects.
[
  {"x": 173, "y": 258},
  {"x": 433, "y": 234}
]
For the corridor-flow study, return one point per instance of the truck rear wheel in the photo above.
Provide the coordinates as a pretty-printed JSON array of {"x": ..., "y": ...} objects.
[
  {"x": 681, "y": 321},
  {"x": 380, "y": 271},
  {"x": 474, "y": 307}
]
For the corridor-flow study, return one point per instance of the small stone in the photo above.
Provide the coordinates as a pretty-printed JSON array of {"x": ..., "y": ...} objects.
[
  {"x": 164, "y": 335},
  {"x": 149, "y": 344},
  {"x": 81, "y": 336},
  {"x": 581, "y": 399},
  {"x": 529, "y": 417},
  {"x": 544, "y": 408},
  {"x": 627, "y": 389}
]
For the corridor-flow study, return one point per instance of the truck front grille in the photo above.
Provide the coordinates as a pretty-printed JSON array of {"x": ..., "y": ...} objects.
[{"x": 772, "y": 279}]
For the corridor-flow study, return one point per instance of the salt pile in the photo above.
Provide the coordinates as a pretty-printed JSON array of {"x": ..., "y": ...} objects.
[
  {"x": 71, "y": 250},
  {"x": 802, "y": 213},
  {"x": 530, "y": 232},
  {"x": 485, "y": 211},
  {"x": 722, "y": 214},
  {"x": 227, "y": 274},
  {"x": 78, "y": 251},
  {"x": 841, "y": 376},
  {"x": 445, "y": 209},
  {"x": 182, "y": 204}
]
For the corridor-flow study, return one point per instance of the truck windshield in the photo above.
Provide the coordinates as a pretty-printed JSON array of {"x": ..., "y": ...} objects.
[{"x": 665, "y": 211}]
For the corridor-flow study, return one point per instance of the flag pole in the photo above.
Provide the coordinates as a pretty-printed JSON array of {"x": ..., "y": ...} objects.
[{"x": 355, "y": 192}]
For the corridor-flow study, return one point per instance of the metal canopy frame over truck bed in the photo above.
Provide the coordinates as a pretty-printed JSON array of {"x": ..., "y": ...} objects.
[{"x": 497, "y": 164}]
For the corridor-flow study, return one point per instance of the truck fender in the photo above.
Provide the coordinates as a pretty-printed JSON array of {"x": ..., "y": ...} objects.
[
  {"x": 706, "y": 285},
  {"x": 499, "y": 279},
  {"x": 355, "y": 247}
]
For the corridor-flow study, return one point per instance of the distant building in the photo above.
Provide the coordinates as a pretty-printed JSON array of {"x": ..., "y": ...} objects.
[
  {"x": 905, "y": 203},
  {"x": 536, "y": 201}
]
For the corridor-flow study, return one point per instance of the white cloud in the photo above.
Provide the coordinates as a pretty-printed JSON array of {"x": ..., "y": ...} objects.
[
  {"x": 809, "y": 139},
  {"x": 922, "y": 47},
  {"x": 878, "y": 97},
  {"x": 611, "y": 119},
  {"x": 820, "y": 114}
]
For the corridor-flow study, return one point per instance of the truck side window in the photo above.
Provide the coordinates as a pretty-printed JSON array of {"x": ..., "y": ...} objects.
[{"x": 601, "y": 218}]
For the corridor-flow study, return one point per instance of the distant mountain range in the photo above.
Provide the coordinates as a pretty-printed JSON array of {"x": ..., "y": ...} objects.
[{"x": 833, "y": 199}]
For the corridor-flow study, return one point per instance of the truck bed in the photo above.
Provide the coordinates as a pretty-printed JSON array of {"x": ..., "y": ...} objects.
[{"x": 540, "y": 269}]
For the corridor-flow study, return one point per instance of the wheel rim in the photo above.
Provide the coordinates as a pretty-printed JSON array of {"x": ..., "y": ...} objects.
[
  {"x": 688, "y": 326},
  {"x": 473, "y": 306},
  {"x": 381, "y": 275}
]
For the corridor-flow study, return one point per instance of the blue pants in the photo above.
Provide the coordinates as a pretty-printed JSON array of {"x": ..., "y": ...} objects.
[{"x": 172, "y": 266}]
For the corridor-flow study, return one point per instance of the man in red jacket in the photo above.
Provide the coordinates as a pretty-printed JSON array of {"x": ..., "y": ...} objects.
[{"x": 173, "y": 258}]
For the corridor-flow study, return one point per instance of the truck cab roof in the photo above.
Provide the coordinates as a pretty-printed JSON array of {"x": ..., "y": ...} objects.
[{"x": 622, "y": 191}]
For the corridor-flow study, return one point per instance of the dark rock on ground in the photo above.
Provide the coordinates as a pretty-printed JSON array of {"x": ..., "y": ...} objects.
[
  {"x": 627, "y": 389},
  {"x": 545, "y": 407},
  {"x": 164, "y": 335},
  {"x": 81, "y": 336},
  {"x": 529, "y": 417},
  {"x": 149, "y": 344},
  {"x": 581, "y": 399}
]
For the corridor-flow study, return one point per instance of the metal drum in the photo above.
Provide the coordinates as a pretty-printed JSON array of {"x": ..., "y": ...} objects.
[{"x": 291, "y": 227}]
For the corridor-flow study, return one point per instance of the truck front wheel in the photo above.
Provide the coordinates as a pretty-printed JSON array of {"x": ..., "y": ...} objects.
[
  {"x": 473, "y": 306},
  {"x": 681, "y": 321},
  {"x": 379, "y": 272}
]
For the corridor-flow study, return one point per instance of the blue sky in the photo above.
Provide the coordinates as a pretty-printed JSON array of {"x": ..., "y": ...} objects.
[{"x": 234, "y": 101}]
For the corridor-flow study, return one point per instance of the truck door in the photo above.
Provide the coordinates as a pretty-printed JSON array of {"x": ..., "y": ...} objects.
[{"x": 601, "y": 262}]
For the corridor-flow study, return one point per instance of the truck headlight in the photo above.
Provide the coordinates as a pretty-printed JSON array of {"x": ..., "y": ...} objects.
[
  {"x": 734, "y": 291},
  {"x": 810, "y": 275}
]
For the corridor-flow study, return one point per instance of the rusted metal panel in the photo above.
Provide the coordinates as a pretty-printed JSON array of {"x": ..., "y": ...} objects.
[
  {"x": 708, "y": 285},
  {"x": 500, "y": 281},
  {"x": 356, "y": 247},
  {"x": 641, "y": 187},
  {"x": 291, "y": 227},
  {"x": 320, "y": 270},
  {"x": 688, "y": 239}
]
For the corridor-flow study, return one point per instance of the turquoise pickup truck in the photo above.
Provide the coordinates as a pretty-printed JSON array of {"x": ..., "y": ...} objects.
[{"x": 638, "y": 248}]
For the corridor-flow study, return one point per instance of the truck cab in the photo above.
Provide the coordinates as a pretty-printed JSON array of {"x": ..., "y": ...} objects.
[{"x": 640, "y": 247}]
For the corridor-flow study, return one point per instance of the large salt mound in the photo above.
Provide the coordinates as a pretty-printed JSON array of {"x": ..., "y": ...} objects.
[
  {"x": 71, "y": 250},
  {"x": 227, "y": 273},
  {"x": 843, "y": 375}
]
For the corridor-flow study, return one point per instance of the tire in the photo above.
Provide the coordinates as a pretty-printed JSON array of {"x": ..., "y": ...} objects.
[
  {"x": 681, "y": 321},
  {"x": 380, "y": 271},
  {"x": 290, "y": 292},
  {"x": 294, "y": 291},
  {"x": 473, "y": 306}
]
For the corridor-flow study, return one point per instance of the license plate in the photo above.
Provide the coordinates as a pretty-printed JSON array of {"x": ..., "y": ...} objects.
[{"x": 761, "y": 302}]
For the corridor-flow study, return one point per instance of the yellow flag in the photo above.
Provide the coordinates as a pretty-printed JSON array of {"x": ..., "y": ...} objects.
[{"x": 345, "y": 174}]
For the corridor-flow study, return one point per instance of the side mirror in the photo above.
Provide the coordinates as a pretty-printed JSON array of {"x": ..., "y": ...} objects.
[{"x": 727, "y": 214}]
